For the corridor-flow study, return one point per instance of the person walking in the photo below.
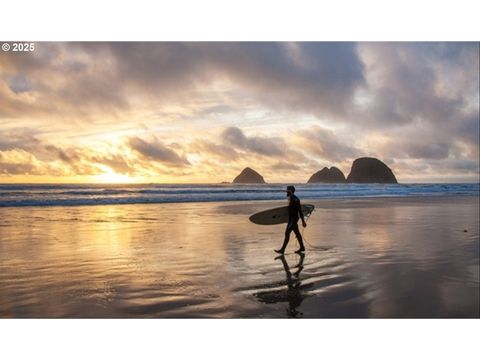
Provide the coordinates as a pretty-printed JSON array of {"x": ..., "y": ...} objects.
[{"x": 294, "y": 214}]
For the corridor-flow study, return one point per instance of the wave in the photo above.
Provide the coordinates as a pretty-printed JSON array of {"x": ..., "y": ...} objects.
[{"x": 14, "y": 195}]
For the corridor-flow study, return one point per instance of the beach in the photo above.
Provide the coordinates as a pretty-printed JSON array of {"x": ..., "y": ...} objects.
[{"x": 404, "y": 257}]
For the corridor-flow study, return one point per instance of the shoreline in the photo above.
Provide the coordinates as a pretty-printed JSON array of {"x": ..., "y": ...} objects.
[{"x": 393, "y": 199}]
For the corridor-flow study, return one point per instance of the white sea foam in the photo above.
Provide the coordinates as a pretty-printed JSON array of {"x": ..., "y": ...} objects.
[{"x": 65, "y": 195}]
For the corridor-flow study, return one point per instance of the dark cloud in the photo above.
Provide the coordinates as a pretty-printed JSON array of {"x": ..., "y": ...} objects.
[
  {"x": 427, "y": 151},
  {"x": 18, "y": 139},
  {"x": 235, "y": 137},
  {"x": 27, "y": 140},
  {"x": 284, "y": 165},
  {"x": 116, "y": 162},
  {"x": 469, "y": 166},
  {"x": 19, "y": 84},
  {"x": 447, "y": 169},
  {"x": 156, "y": 151},
  {"x": 64, "y": 79},
  {"x": 414, "y": 146},
  {"x": 433, "y": 82},
  {"x": 318, "y": 78},
  {"x": 210, "y": 149},
  {"x": 9, "y": 168},
  {"x": 466, "y": 129},
  {"x": 314, "y": 77},
  {"x": 69, "y": 156},
  {"x": 326, "y": 144}
]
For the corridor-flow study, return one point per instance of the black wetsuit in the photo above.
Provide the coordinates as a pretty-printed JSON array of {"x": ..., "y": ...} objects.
[{"x": 294, "y": 214}]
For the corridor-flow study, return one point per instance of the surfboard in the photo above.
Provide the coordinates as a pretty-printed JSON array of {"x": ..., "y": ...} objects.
[{"x": 277, "y": 215}]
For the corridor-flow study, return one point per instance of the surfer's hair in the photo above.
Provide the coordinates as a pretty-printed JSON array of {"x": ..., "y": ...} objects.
[{"x": 291, "y": 188}]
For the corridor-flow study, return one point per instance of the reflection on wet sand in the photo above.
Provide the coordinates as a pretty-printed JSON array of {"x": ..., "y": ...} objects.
[
  {"x": 321, "y": 287},
  {"x": 293, "y": 294},
  {"x": 374, "y": 258}
]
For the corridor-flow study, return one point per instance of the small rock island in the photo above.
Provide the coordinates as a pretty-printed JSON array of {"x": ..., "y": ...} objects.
[
  {"x": 249, "y": 176},
  {"x": 326, "y": 175},
  {"x": 371, "y": 170}
]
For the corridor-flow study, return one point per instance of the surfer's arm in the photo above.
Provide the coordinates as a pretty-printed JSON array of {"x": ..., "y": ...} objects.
[
  {"x": 301, "y": 215},
  {"x": 300, "y": 212}
]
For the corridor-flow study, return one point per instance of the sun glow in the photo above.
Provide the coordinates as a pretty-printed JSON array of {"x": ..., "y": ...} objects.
[{"x": 111, "y": 177}]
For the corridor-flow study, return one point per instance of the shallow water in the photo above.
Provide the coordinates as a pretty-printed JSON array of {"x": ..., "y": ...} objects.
[{"x": 367, "y": 258}]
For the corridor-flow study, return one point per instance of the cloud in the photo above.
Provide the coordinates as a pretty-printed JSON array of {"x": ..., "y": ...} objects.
[
  {"x": 28, "y": 140},
  {"x": 156, "y": 151},
  {"x": 18, "y": 139},
  {"x": 19, "y": 84},
  {"x": 427, "y": 151},
  {"x": 7, "y": 168},
  {"x": 209, "y": 149},
  {"x": 436, "y": 83},
  {"x": 235, "y": 137},
  {"x": 59, "y": 79},
  {"x": 326, "y": 144},
  {"x": 83, "y": 78},
  {"x": 15, "y": 162},
  {"x": 116, "y": 162},
  {"x": 413, "y": 103},
  {"x": 68, "y": 156},
  {"x": 318, "y": 76},
  {"x": 284, "y": 165}
]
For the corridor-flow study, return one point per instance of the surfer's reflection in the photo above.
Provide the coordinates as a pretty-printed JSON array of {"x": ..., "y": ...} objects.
[{"x": 295, "y": 292}]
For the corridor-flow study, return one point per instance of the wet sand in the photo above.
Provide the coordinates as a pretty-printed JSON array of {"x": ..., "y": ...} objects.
[{"x": 377, "y": 257}]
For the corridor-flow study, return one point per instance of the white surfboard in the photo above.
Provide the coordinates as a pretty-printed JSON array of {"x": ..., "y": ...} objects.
[{"x": 277, "y": 215}]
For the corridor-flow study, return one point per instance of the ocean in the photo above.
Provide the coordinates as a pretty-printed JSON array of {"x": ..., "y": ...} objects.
[
  {"x": 189, "y": 251},
  {"x": 14, "y": 195}
]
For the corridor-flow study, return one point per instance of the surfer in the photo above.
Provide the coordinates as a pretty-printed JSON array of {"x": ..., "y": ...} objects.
[{"x": 294, "y": 214}]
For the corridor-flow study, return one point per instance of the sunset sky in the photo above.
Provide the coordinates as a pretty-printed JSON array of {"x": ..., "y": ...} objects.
[{"x": 201, "y": 112}]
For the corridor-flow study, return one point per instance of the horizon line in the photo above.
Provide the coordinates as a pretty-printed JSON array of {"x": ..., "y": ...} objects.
[{"x": 232, "y": 183}]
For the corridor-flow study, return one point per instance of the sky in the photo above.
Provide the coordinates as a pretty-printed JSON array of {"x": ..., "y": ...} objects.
[{"x": 201, "y": 112}]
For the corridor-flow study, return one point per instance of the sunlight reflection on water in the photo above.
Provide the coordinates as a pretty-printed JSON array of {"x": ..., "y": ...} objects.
[{"x": 371, "y": 259}]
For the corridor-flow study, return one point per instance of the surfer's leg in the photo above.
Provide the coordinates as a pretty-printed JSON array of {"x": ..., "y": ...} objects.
[
  {"x": 288, "y": 230},
  {"x": 299, "y": 237}
]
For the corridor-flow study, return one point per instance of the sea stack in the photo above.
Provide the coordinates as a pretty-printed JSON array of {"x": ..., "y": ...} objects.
[
  {"x": 326, "y": 175},
  {"x": 371, "y": 170},
  {"x": 249, "y": 176}
]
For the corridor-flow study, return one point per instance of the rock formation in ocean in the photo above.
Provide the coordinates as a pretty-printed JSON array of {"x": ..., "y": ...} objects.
[
  {"x": 370, "y": 170},
  {"x": 326, "y": 175},
  {"x": 249, "y": 176}
]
